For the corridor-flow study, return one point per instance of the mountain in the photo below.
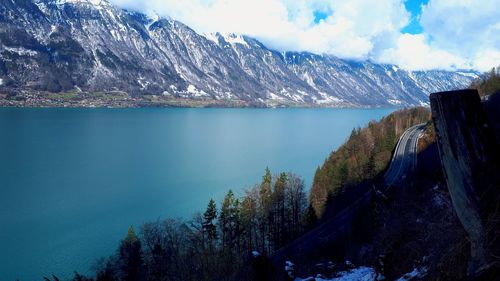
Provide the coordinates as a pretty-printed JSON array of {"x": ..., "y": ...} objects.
[{"x": 84, "y": 47}]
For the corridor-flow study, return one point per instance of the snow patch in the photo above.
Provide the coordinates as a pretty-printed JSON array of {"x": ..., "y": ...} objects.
[
  {"x": 212, "y": 36},
  {"x": 194, "y": 92},
  {"x": 395, "y": 68},
  {"x": 255, "y": 254},
  {"x": 21, "y": 51},
  {"x": 295, "y": 97},
  {"x": 191, "y": 89},
  {"x": 425, "y": 104},
  {"x": 273, "y": 96},
  {"x": 309, "y": 80},
  {"x": 325, "y": 99},
  {"x": 416, "y": 273},
  {"x": 144, "y": 83},
  {"x": 1, "y": 81},
  {"x": 92, "y": 2},
  {"x": 468, "y": 74},
  {"x": 233, "y": 39},
  {"x": 357, "y": 274},
  {"x": 394, "y": 102}
]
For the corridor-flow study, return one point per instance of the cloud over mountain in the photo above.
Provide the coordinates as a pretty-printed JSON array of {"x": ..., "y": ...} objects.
[{"x": 455, "y": 34}]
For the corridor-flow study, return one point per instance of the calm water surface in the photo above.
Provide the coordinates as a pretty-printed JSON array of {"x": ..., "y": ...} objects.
[{"x": 73, "y": 180}]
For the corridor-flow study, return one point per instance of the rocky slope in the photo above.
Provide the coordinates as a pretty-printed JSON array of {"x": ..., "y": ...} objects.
[{"x": 90, "y": 46}]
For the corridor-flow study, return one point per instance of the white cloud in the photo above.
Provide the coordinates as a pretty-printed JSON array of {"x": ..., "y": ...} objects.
[
  {"x": 467, "y": 28},
  {"x": 457, "y": 33},
  {"x": 486, "y": 59},
  {"x": 413, "y": 52}
]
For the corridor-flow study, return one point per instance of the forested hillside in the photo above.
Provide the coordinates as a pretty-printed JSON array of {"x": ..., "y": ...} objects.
[
  {"x": 214, "y": 245},
  {"x": 366, "y": 153},
  {"x": 489, "y": 84}
]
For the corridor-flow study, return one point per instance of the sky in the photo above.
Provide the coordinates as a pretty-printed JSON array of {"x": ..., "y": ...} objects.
[{"x": 413, "y": 34}]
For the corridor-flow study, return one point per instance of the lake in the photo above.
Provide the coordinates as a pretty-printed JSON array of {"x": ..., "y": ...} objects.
[{"x": 73, "y": 180}]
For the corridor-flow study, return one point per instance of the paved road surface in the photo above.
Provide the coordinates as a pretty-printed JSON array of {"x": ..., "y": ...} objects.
[
  {"x": 405, "y": 156},
  {"x": 403, "y": 161}
]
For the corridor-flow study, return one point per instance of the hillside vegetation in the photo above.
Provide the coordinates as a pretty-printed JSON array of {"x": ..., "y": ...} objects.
[
  {"x": 489, "y": 84},
  {"x": 216, "y": 244},
  {"x": 365, "y": 155}
]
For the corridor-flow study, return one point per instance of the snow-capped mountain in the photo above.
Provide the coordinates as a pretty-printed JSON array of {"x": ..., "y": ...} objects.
[{"x": 91, "y": 45}]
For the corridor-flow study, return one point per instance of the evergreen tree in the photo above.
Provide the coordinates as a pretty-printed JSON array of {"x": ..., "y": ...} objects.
[
  {"x": 370, "y": 167},
  {"x": 130, "y": 257},
  {"x": 310, "y": 219},
  {"x": 265, "y": 212},
  {"x": 278, "y": 211},
  {"x": 225, "y": 219},
  {"x": 209, "y": 217},
  {"x": 295, "y": 205},
  {"x": 365, "y": 154},
  {"x": 249, "y": 220}
]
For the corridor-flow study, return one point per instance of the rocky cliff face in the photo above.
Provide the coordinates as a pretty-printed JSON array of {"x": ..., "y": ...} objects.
[
  {"x": 90, "y": 45},
  {"x": 469, "y": 156}
]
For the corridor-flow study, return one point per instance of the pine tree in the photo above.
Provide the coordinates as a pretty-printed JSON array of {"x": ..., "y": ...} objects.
[
  {"x": 209, "y": 217},
  {"x": 225, "y": 219},
  {"x": 249, "y": 219},
  {"x": 130, "y": 257},
  {"x": 295, "y": 205},
  {"x": 370, "y": 167},
  {"x": 310, "y": 219},
  {"x": 278, "y": 211},
  {"x": 265, "y": 214}
]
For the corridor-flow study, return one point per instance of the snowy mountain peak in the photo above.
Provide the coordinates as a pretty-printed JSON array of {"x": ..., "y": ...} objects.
[
  {"x": 212, "y": 36},
  {"x": 143, "y": 55},
  {"x": 97, "y": 3},
  {"x": 234, "y": 38},
  {"x": 231, "y": 38}
]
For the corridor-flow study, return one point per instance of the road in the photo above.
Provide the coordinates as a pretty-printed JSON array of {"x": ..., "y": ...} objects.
[
  {"x": 404, "y": 158},
  {"x": 403, "y": 161}
]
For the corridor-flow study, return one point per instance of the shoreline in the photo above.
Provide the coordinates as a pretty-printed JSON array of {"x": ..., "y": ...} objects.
[{"x": 120, "y": 99}]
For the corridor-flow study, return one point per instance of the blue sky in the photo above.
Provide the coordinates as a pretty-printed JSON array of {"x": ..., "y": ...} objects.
[
  {"x": 444, "y": 34},
  {"x": 415, "y": 8}
]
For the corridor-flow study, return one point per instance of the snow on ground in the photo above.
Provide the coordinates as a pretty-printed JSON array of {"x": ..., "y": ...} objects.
[
  {"x": 473, "y": 75},
  {"x": 235, "y": 39},
  {"x": 194, "y": 92},
  {"x": 92, "y": 2},
  {"x": 395, "y": 102},
  {"x": 425, "y": 104},
  {"x": 325, "y": 99},
  {"x": 143, "y": 82},
  {"x": 273, "y": 96},
  {"x": 21, "y": 51},
  {"x": 357, "y": 274},
  {"x": 1, "y": 81},
  {"x": 417, "y": 272},
  {"x": 212, "y": 36},
  {"x": 309, "y": 80}
]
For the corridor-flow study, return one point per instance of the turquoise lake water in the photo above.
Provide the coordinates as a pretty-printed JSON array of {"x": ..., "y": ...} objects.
[{"x": 73, "y": 180}]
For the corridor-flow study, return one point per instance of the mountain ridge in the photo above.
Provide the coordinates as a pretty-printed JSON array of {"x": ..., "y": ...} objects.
[{"x": 89, "y": 46}]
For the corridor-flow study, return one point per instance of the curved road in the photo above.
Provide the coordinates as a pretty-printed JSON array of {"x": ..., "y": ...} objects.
[
  {"x": 403, "y": 161},
  {"x": 404, "y": 158}
]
